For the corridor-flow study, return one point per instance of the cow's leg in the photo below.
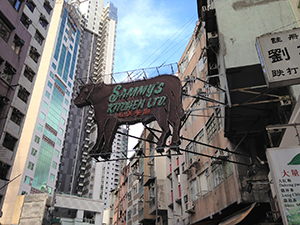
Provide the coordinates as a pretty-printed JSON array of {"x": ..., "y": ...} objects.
[
  {"x": 110, "y": 128},
  {"x": 99, "y": 142},
  {"x": 175, "y": 119},
  {"x": 163, "y": 123}
]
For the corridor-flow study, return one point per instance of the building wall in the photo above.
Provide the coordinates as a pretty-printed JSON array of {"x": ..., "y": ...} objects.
[
  {"x": 26, "y": 24},
  {"x": 254, "y": 19},
  {"x": 40, "y": 145}
]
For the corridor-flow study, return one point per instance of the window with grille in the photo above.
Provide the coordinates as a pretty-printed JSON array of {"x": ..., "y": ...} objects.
[
  {"x": 16, "y": 116},
  {"x": 4, "y": 168},
  {"x": 34, "y": 54},
  {"x": 17, "y": 44},
  {"x": 9, "y": 141},
  {"x": 23, "y": 94},
  {"x": 25, "y": 21},
  {"x": 47, "y": 7},
  {"x": 38, "y": 37},
  {"x": 8, "y": 73},
  {"x": 29, "y": 73},
  {"x": 43, "y": 21},
  {"x": 30, "y": 5},
  {"x": 5, "y": 28},
  {"x": 211, "y": 128}
]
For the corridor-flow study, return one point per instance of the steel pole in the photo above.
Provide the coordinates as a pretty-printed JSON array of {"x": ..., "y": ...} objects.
[{"x": 156, "y": 203}]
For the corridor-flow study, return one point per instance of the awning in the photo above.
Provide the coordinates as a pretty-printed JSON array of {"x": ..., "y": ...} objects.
[{"x": 239, "y": 216}]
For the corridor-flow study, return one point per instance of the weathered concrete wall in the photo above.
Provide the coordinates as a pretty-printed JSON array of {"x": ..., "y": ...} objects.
[
  {"x": 255, "y": 17},
  {"x": 33, "y": 209}
]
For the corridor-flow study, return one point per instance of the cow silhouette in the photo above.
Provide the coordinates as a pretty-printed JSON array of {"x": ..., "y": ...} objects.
[{"x": 158, "y": 98}]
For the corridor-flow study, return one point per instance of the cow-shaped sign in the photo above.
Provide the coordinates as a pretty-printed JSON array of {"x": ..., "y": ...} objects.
[{"x": 158, "y": 98}]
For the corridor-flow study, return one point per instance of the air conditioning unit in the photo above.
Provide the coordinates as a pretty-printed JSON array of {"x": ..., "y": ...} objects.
[
  {"x": 201, "y": 91},
  {"x": 213, "y": 66},
  {"x": 29, "y": 21},
  {"x": 186, "y": 78},
  {"x": 194, "y": 160},
  {"x": 215, "y": 161},
  {"x": 190, "y": 208}
]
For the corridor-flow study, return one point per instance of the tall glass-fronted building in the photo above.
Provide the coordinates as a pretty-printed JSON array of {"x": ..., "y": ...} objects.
[{"x": 37, "y": 159}]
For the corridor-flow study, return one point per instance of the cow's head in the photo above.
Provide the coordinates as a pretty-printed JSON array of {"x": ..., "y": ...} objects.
[{"x": 82, "y": 98}]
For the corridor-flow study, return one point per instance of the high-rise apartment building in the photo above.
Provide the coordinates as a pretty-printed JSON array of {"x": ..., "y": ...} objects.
[
  {"x": 23, "y": 29},
  {"x": 38, "y": 154},
  {"x": 79, "y": 173}
]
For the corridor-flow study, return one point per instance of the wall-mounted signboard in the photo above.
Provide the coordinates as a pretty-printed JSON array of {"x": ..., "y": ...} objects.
[
  {"x": 156, "y": 99},
  {"x": 279, "y": 54},
  {"x": 285, "y": 170}
]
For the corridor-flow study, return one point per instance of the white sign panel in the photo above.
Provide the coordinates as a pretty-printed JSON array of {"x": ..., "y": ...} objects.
[
  {"x": 279, "y": 54},
  {"x": 285, "y": 169}
]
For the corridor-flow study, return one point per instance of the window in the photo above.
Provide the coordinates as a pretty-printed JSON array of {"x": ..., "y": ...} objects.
[
  {"x": 47, "y": 7},
  {"x": 54, "y": 165},
  {"x": 53, "y": 66},
  {"x": 45, "y": 105},
  {"x": 40, "y": 127},
  {"x": 60, "y": 131},
  {"x": 200, "y": 138},
  {"x": 30, "y": 5},
  {"x": 37, "y": 139},
  {"x": 66, "y": 102},
  {"x": 58, "y": 141},
  {"x": 63, "y": 121},
  {"x": 56, "y": 153},
  {"x": 16, "y": 116},
  {"x": 30, "y": 165},
  {"x": 23, "y": 94},
  {"x": 42, "y": 116},
  {"x": 34, "y": 54},
  {"x": 29, "y": 73},
  {"x": 43, "y": 21},
  {"x": 38, "y": 37},
  {"x": 9, "y": 141},
  {"x": 33, "y": 152},
  {"x": 24, "y": 193},
  {"x": 5, "y": 28},
  {"x": 52, "y": 176},
  {"x": 47, "y": 94},
  {"x": 17, "y": 44},
  {"x": 27, "y": 180},
  {"x": 25, "y": 21},
  {"x": 64, "y": 111},
  {"x": 203, "y": 182},
  {"x": 4, "y": 168},
  {"x": 193, "y": 189},
  {"x": 218, "y": 175},
  {"x": 8, "y": 73},
  {"x": 211, "y": 128},
  {"x": 49, "y": 84},
  {"x": 15, "y": 3}
]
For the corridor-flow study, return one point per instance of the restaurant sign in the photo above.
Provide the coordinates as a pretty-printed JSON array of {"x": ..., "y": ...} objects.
[
  {"x": 279, "y": 54},
  {"x": 285, "y": 171},
  {"x": 156, "y": 99}
]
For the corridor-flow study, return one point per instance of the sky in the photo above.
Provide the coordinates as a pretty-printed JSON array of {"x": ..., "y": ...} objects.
[{"x": 151, "y": 33}]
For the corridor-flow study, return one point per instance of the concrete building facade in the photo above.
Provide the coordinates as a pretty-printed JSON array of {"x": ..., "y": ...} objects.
[
  {"x": 40, "y": 146},
  {"x": 24, "y": 27}
]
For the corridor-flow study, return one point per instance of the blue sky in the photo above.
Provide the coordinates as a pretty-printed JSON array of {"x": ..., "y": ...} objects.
[{"x": 152, "y": 32}]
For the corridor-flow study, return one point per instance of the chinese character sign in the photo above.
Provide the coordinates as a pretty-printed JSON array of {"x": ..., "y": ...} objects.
[
  {"x": 285, "y": 170},
  {"x": 279, "y": 55}
]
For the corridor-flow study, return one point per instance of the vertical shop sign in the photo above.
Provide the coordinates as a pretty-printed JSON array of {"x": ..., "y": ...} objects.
[{"x": 285, "y": 171}]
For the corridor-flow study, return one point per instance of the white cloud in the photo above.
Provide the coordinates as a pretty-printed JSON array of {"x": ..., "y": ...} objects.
[{"x": 143, "y": 26}]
